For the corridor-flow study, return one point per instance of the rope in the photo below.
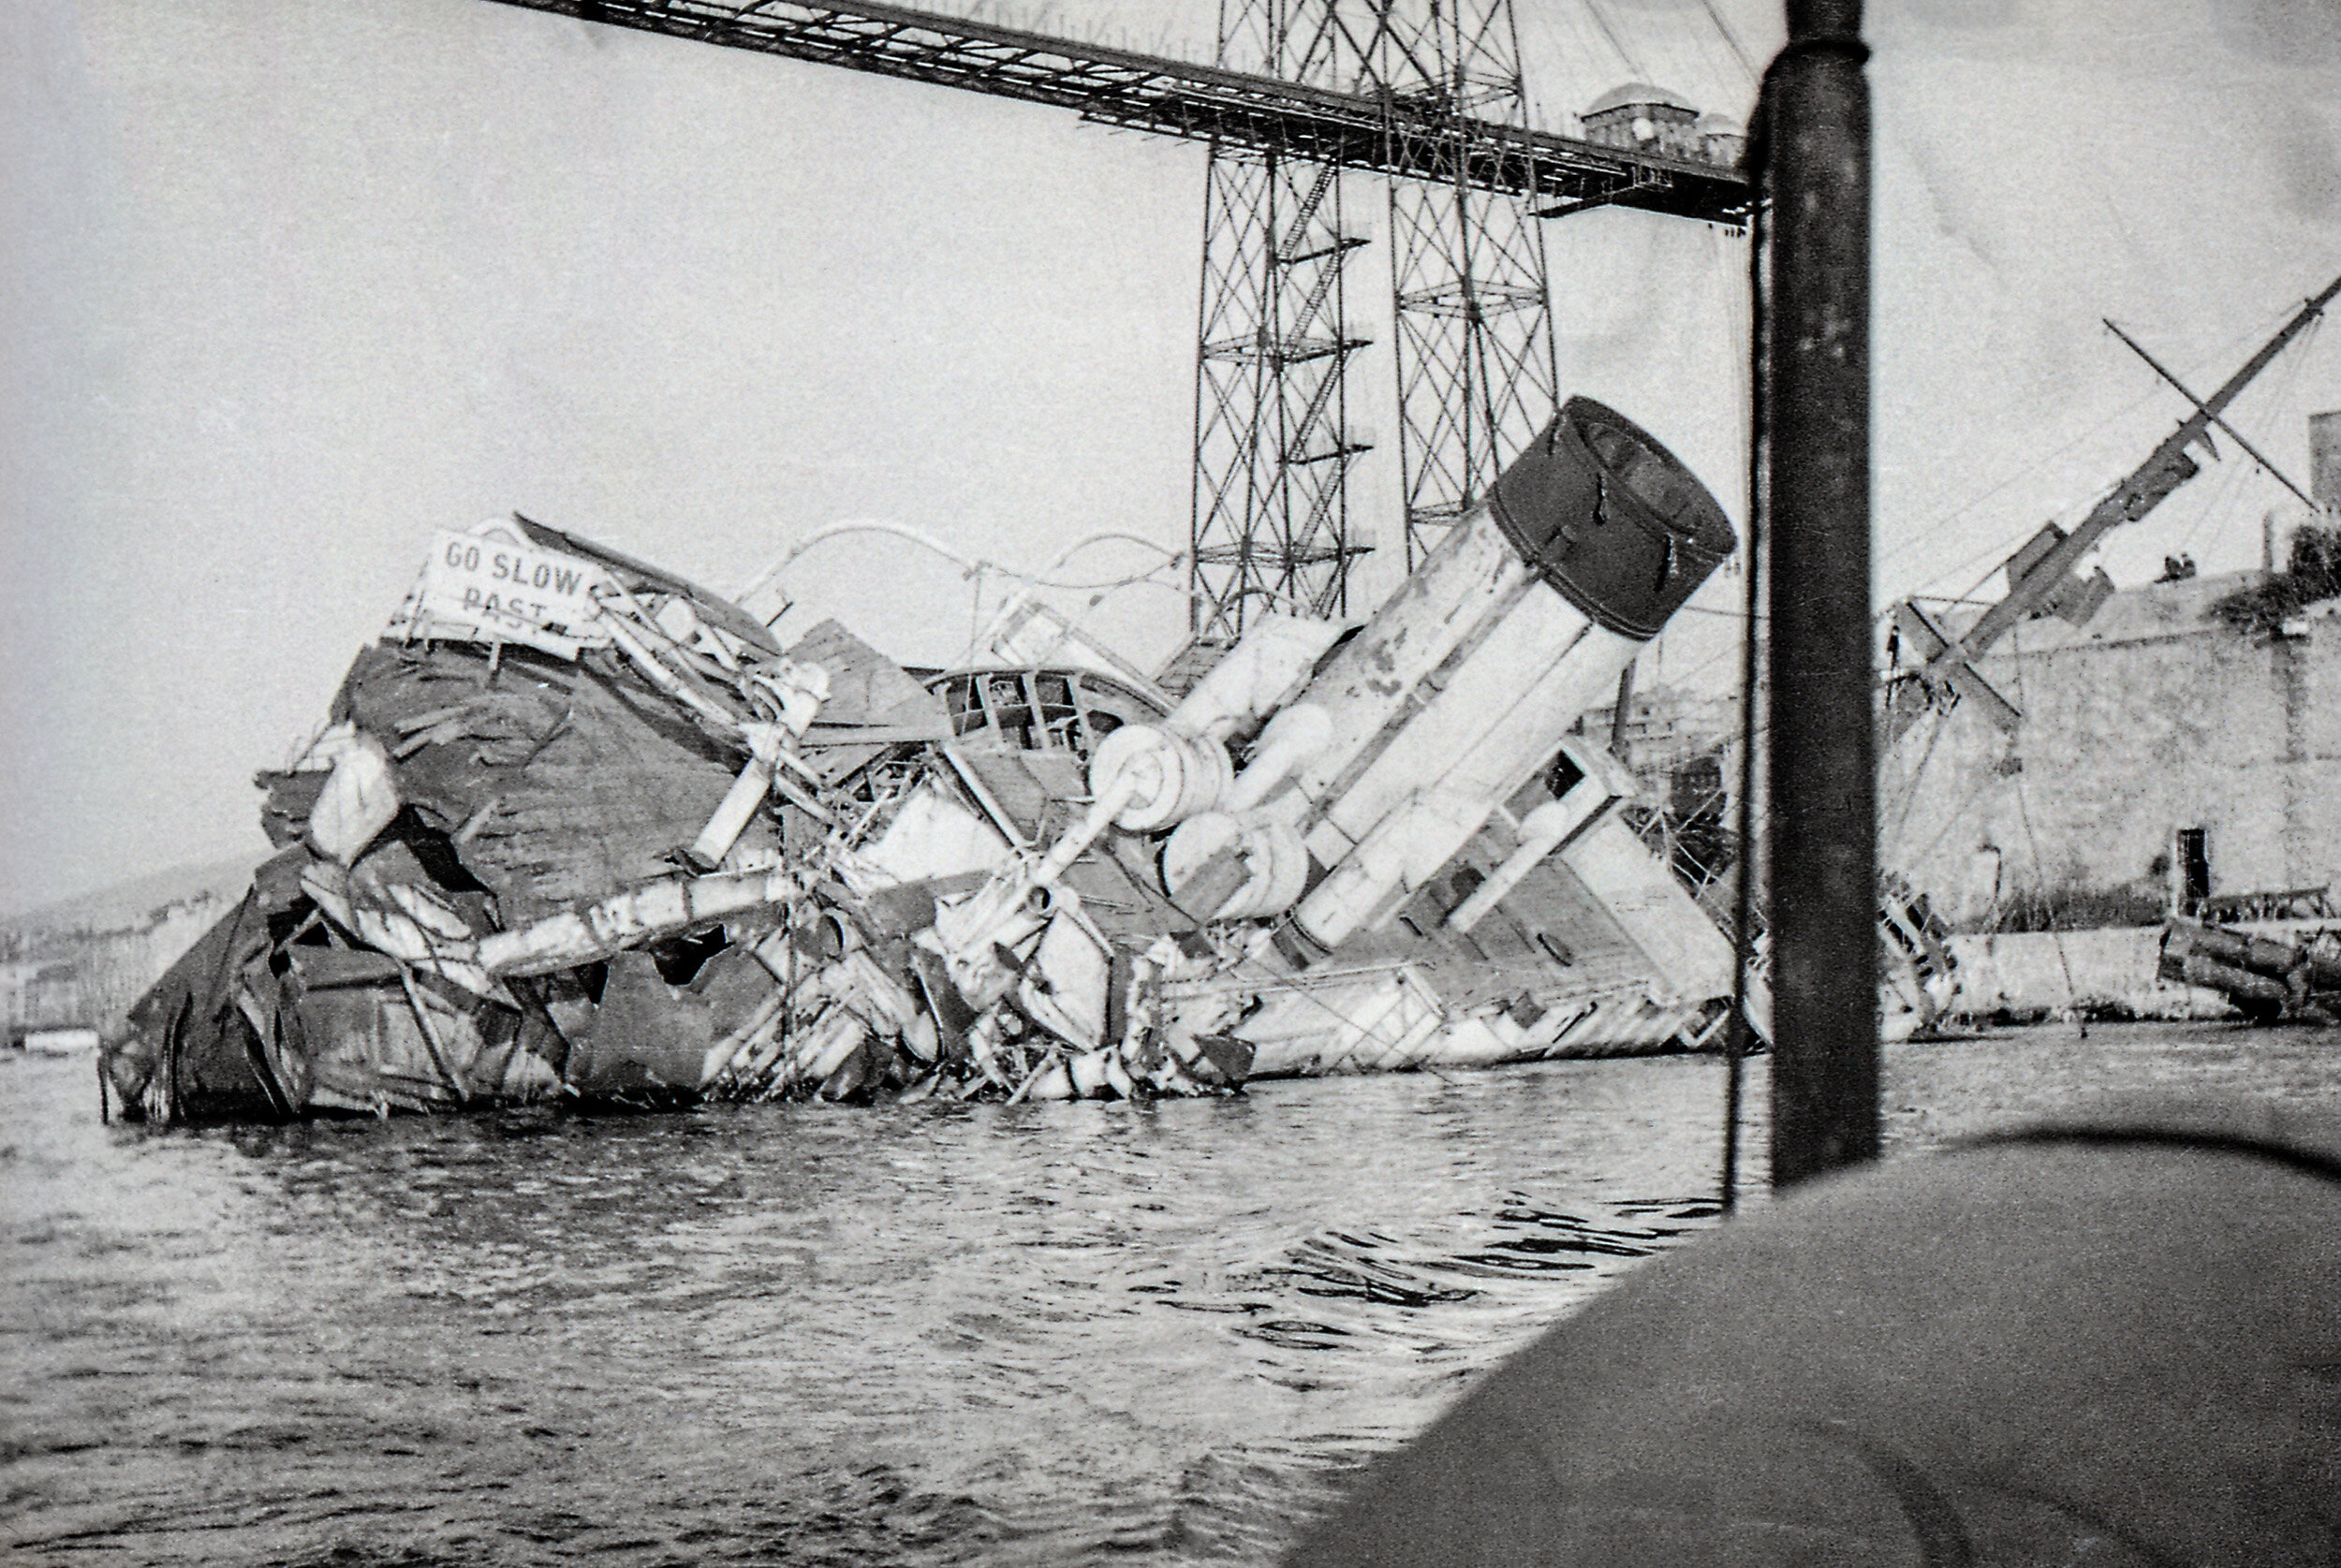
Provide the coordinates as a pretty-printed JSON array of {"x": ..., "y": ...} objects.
[
  {"x": 971, "y": 565},
  {"x": 2032, "y": 843}
]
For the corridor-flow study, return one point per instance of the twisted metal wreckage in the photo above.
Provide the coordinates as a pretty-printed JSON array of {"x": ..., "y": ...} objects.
[{"x": 1038, "y": 877}]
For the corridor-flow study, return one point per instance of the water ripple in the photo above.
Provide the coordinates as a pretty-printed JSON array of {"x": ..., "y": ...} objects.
[{"x": 932, "y": 1335}]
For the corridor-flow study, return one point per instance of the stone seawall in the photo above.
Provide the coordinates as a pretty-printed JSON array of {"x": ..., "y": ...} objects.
[
  {"x": 2154, "y": 717},
  {"x": 2112, "y": 971}
]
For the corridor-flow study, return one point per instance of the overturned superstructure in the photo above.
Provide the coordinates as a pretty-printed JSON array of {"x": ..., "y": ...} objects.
[{"x": 578, "y": 827}]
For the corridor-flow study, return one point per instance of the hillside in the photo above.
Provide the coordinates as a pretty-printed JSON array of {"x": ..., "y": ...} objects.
[{"x": 126, "y": 902}]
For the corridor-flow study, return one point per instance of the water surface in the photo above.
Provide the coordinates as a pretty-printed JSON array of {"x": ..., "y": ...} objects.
[{"x": 1062, "y": 1334}]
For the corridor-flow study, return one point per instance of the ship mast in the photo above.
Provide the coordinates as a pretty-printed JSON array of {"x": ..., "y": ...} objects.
[{"x": 2041, "y": 575}]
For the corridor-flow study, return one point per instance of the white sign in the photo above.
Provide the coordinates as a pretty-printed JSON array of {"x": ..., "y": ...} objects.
[{"x": 513, "y": 592}]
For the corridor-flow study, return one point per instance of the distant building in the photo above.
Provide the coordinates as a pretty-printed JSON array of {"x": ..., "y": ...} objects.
[
  {"x": 1722, "y": 140},
  {"x": 54, "y": 979},
  {"x": 1670, "y": 738},
  {"x": 2324, "y": 489},
  {"x": 1644, "y": 118},
  {"x": 38, "y": 994}
]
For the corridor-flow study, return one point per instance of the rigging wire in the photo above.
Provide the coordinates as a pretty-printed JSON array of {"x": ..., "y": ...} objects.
[
  {"x": 1909, "y": 789},
  {"x": 1968, "y": 801},
  {"x": 1578, "y": 48},
  {"x": 2222, "y": 511},
  {"x": 1713, "y": 71},
  {"x": 1924, "y": 533},
  {"x": 1744, "y": 885},
  {"x": 2216, "y": 507},
  {"x": 966, "y": 563},
  {"x": 1997, "y": 553},
  {"x": 1593, "y": 9},
  {"x": 1731, "y": 39},
  {"x": 1017, "y": 587}
]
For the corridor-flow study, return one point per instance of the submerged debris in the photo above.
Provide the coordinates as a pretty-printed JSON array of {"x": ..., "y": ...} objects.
[
  {"x": 575, "y": 826},
  {"x": 2265, "y": 976}
]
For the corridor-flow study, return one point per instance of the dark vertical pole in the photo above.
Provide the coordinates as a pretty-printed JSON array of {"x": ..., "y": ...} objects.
[
  {"x": 1737, "y": 1039},
  {"x": 1823, "y": 765}
]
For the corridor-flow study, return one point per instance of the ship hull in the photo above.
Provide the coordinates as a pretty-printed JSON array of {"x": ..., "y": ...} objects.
[{"x": 648, "y": 854}]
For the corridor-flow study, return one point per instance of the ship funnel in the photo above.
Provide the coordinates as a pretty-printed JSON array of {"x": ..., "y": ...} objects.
[
  {"x": 1462, "y": 685},
  {"x": 1612, "y": 519}
]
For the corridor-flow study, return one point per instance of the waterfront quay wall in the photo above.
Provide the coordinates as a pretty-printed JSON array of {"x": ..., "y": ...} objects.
[
  {"x": 2102, "y": 972},
  {"x": 2152, "y": 717}
]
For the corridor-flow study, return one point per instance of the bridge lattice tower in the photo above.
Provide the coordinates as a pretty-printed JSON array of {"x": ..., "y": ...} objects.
[{"x": 1275, "y": 443}]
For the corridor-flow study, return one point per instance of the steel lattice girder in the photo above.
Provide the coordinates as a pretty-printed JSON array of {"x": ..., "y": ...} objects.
[{"x": 1174, "y": 98}]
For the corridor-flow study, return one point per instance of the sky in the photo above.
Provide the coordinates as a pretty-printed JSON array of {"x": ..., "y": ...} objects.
[{"x": 286, "y": 284}]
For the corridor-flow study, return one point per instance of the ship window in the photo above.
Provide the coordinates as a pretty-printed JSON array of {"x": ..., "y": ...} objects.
[
  {"x": 966, "y": 707},
  {"x": 1060, "y": 718},
  {"x": 1011, "y": 708},
  {"x": 1563, "y": 776}
]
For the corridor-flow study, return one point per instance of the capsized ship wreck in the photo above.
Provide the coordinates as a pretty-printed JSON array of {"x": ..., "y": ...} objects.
[{"x": 577, "y": 828}]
